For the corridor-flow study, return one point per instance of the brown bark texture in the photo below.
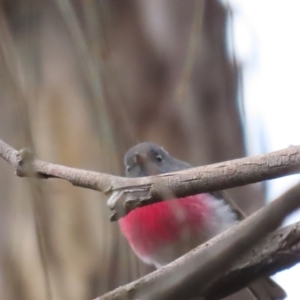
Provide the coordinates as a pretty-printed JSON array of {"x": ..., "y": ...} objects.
[{"x": 81, "y": 82}]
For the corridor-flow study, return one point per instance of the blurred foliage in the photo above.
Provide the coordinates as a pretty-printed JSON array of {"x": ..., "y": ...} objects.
[{"x": 81, "y": 82}]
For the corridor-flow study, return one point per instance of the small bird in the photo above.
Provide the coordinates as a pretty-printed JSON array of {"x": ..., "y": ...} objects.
[{"x": 161, "y": 232}]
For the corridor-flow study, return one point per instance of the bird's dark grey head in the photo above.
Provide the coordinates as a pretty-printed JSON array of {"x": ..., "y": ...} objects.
[{"x": 146, "y": 159}]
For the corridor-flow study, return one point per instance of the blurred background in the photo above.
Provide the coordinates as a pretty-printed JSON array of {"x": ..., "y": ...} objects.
[{"x": 83, "y": 81}]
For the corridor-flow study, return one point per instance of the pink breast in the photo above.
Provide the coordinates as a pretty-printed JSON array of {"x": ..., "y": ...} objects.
[{"x": 150, "y": 227}]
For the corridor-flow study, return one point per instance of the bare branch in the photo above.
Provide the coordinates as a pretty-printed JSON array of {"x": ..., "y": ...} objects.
[
  {"x": 279, "y": 251},
  {"x": 208, "y": 270},
  {"x": 88, "y": 179},
  {"x": 129, "y": 193}
]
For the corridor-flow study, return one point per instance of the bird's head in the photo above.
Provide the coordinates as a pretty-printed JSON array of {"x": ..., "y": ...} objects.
[{"x": 147, "y": 159}]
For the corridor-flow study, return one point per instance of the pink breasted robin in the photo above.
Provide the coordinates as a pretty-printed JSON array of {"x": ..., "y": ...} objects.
[{"x": 161, "y": 232}]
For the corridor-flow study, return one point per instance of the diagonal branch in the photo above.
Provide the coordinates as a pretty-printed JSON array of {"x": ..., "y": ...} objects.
[
  {"x": 129, "y": 193},
  {"x": 212, "y": 270},
  {"x": 279, "y": 251}
]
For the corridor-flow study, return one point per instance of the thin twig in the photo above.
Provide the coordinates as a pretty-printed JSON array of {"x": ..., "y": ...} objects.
[{"x": 194, "y": 40}]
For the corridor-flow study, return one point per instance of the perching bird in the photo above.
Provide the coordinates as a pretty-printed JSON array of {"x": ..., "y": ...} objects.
[{"x": 161, "y": 232}]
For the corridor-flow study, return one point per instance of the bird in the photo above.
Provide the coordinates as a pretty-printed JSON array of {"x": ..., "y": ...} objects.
[{"x": 161, "y": 232}]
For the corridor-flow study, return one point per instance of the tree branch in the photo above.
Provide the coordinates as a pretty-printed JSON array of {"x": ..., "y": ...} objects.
[
  {"x": 279, "y": 251},
  {"x": 129, "y": 193},
  {"x": 211, "y": 271}
]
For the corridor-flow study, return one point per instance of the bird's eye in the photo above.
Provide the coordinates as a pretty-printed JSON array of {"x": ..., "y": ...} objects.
[{"x": 158, "y": 157}]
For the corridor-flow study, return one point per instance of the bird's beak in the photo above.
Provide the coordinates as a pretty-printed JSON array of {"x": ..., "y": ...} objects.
[{"x": 138, "y": 158}]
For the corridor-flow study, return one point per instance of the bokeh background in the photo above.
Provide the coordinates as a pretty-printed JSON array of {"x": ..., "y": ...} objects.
[{"x": 81, "y": 81}]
